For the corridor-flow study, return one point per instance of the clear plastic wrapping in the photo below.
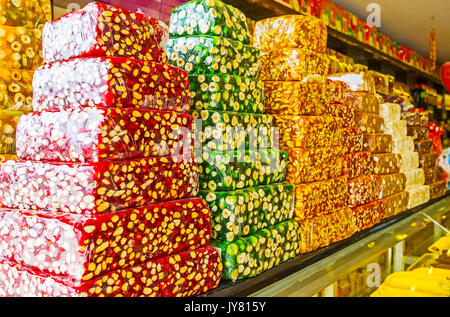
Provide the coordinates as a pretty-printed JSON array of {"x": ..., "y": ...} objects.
[
  {"x": 16, "y": 90},
  {"x": 324, "y": 230},
  {"x": 210, "y": 17},
  {"x": 226, "y": 171},
  {"x": 368, "y": 215},
  {"x": 187, "y": 273},
  {"x": 358, "y": 164},
  {"x": 410, "y": 160},
  {"x": 227, "y": 93},
  {"x": 213, "y": 55},
  {"x": 423, "y": 147},
  {"x": 79, "y": 248},
  {"x": 309, "y": 97},
  {"x": 229, "y": 131},
  {"x": 308, "y": 131},
  {"x": 258, "y": 252},
  {"x": 428, "y": 160},
  {"x": 396, "y": 204},
  {"x": 386, "y": 163},
  {"x": 20, "y": 48},
  {"x": 395, "y": 128},
  {"x": 292, "y": 64},
  {"x": 92, "y": 135},
  {"x": 392, "y": 184},
  {"x": 307, "y": 165},
  {"x": 27, "y": 13},
  {"x": 320, "y": 198},
  {"x": 291, "y": 31},
  {"x": 95, "y": 188},
  {"x": 415, "y": 177},
  {"x": 438, "y": 189},
  {"x": 403, "y": 145},
  {"x": 241, "y": 212},
  {"x": 363, "y": 190},
  {"x": 377, "y": 143},
  {"x": 433, "y": 175},
  {"x": 8, "y": 126},
  {"x": 110, "y": 82},
  {"x": 390, "y": 112},
  {"x": 352, "y": 140},
  {"x": 361, "y": 82},
  {"x": 369, "y": 123},
  {"x": 418, "y": 195},
  {"x": 418, "y": 133},
  {"x": 101, "y": 29},
  {"x": 363, "y": 101}
]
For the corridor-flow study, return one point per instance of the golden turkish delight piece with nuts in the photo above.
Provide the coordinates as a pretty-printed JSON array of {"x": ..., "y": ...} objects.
[{"x": 26, "y": 13}]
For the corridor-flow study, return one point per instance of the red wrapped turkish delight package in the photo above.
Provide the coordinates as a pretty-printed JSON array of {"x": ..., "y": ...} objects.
[
  {"x": 363, "y": 102},
  {"x": 392, "y": 184},
  {"x": 101, "y": 29},
  {"x": 188, "y": 273},
  {"x": 363, "y": 190},
  {"x": 93, "y": 135},
  {"x": 95, "y": 188},
  {"x": 386, "y": 163},
  {"x": 320, "y": 198},
  {"x": 80, "y": 247},
  {"x": 423, "y": 147},
  {"x": 357, "y": 164},
  {"x": 366, "y": 216},
  {"x": 110, "y": 82},
  {"x": 396, "y": 204},
  {"x": 352, "y": 140},
  {"x": 377, "y": 143}
]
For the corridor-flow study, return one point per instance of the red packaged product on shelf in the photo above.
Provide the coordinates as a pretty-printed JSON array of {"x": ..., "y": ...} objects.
[
  {"x": 187, "y": 273},
  {"x": 320, "y": 198},
  {"x": 363, "y": 190},
  {"x": 80, "y": 247},
  {"x": 352, "y": 140},
  {"x": 366, "y": 216},
  {"x": 392, "y": 184},
  {"x": 357, "y": 164},
  {"x": 110, "y": 82},
  {"x": 95, "y": 188},
  {"x": 386, "y": 163},
  {"x": 101, "y": 29},
  {"x": 93, "y": 135}
]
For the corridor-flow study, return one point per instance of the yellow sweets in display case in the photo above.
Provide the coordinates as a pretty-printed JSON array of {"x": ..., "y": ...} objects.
[{"x": 16, "y": 90}]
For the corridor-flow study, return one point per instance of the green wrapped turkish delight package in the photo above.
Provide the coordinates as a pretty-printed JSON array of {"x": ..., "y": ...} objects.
[
  {"x": 240, "y": 212},
  {"x": 226, "y": 93},
  {"x": 213, "y": 55},
  {"x": 226, "y": 171},
  {"x": 256, "y": 253},
  {"x": 229, "y": 131},
  {"x": 209, "y": 17}
]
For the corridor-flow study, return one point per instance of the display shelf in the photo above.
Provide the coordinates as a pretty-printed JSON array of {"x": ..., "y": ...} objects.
[
  {"x": 309, "y": 273},
  {"x": 262, "y": 9}
]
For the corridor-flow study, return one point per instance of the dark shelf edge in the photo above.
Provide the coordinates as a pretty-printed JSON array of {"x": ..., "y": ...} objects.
[
  {"x": 249, "y": 286},
  {"x": 262, "y": 9}
]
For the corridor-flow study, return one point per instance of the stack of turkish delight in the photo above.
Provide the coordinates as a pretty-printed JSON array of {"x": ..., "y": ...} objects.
[
  {"x": 299, "y": 97},
  {"x": 21, "y": 24},
  {"x": 414, "y": 169},
  {"x": 428, "y": 159},
  {"x": 361, "y": 119},
  {"x": 394, "y": 181},
  {"x": 101, "y": 201},
  {"x": 242, "y": 173}
]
